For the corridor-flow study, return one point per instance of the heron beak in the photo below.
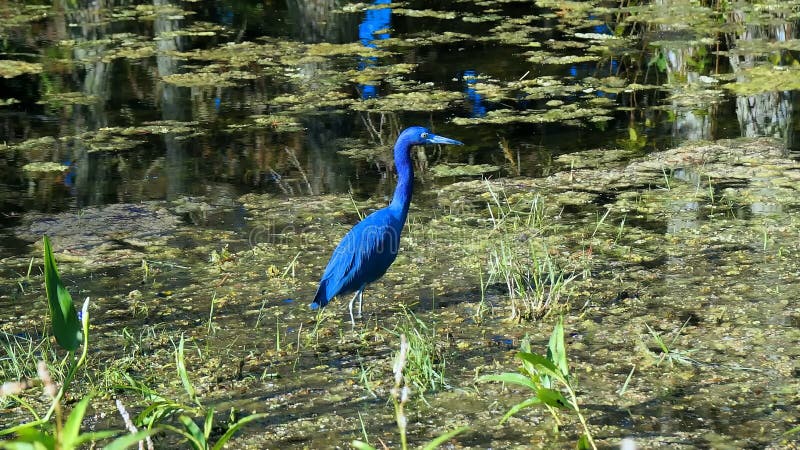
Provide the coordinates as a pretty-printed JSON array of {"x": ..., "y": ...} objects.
[{"x": 436, "y": 139}]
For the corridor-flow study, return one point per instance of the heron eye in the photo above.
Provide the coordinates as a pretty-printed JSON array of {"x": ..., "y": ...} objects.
[{"x": 424, "y": 135}]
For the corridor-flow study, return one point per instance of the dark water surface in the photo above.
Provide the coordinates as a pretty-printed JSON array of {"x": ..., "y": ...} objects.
[{"x": 78, "y": 45}]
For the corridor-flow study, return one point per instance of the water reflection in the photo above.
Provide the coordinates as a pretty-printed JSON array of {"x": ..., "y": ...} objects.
[
  {"x": 769, "y": 113},
  {"x": 375, "y": 27},
  {"x": 475, "y": 99}
]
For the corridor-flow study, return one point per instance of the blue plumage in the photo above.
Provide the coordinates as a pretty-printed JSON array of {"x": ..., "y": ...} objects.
[{"x": 370, "y": 247}]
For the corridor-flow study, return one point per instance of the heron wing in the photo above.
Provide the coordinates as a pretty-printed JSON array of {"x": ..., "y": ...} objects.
[{"x": 363, "y": 256}]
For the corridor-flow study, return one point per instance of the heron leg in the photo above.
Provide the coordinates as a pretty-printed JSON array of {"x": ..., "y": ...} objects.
[
  {"x": 360, "y": 299},
  {"x": 350, "y": 306}
]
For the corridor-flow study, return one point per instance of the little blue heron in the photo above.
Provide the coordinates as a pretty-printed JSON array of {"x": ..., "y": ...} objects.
[{"x": 367, "y": 250}]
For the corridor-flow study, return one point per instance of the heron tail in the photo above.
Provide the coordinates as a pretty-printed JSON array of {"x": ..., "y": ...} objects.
[{"x": 320, "y": 299}]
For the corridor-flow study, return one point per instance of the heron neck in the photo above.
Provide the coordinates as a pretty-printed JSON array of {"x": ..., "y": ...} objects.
[{"x": 405, "y": 177}]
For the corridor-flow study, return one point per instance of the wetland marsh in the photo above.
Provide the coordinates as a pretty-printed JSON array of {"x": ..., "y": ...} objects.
[{"x": 629, "y": 168}]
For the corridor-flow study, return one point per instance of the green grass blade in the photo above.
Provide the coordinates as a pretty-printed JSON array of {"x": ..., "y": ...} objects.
[
  {"x": 128, "y": 440},
  {"x": 94, "y": 436},
  {"x": 533, "y": 401},
  {"x": 196, "y": 445},
  {"x": 194, "y": 430},
  {"x": 72, "y": 428},
  {"x": 63, "y": 315},
  {"x": 234, "y": 428},
  {"x": 180, "y": 363},
  {"x": 209, "y": 422},
  {"x": 434, "y": 444}
]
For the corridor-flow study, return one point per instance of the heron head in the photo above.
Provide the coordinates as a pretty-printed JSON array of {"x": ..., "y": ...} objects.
[{"x": 422, "y": 136}]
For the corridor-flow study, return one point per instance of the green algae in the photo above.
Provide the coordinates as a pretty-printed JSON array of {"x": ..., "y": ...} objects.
[
  {"x": 633, "y": 276},
  {"x": 352, "y": 49},
  {"x": 59, "y": 99},
  {"x": 10, "y": 68},
  {"x": 462, "y": 170},
  {"x": 200, "y": 79},
  {"x": 540, "y": 57},
  {"x": 763, "y": 79},
  {"x": 41, "y": 144},
  {"x": 363, "y": 150},
  {"x": 560, "y": 113},
  {"x": 422, "y": 39},
  {"x": 425, "y": 13},
  {"x": 703, "y": 232},
  {"x": 415, "y": 100},
  {"x": 278, "y": 122},
  {"x": 44, "y": 167}
]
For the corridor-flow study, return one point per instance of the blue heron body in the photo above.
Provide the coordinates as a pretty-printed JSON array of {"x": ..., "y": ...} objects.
[{"x": 370, "y": 247}]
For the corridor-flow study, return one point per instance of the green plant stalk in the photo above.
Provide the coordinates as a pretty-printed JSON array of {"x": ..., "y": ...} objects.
[
  {"x": 400, "y": 418},
  {"x": 574, "y": 401},
  {"x": 55, "y": 406},
  {"x": 74, "y": 368}
]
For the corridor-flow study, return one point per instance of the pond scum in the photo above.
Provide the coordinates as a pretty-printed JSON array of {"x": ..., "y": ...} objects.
[
  {"x": 626, "y": 295},
  {"x": 674, "y": 321}
]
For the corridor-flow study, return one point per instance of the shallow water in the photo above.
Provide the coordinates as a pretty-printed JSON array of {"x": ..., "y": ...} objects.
[{"x": 211, "y": 153}]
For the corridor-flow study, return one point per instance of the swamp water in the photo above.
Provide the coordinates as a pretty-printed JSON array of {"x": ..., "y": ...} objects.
[{"x": 194, "y": 164}]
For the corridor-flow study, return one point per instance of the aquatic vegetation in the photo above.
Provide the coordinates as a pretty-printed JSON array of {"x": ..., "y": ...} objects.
[
  {"x": 534, "y": 281},
  {"x": 10, "y": 68},
  {"x": 416, "y": 100},
  {"x": 707, "y": 230},
  {"x": 44, "y": 167},
  {"x": 66, "y": 433},
  {"x": 462, "y": 170},
  {"x": 401, "y": 393},
  {"x": 543, "y": 376},
  {"x": 424, "y": 362},
  {"x": 761, "y": 79}
]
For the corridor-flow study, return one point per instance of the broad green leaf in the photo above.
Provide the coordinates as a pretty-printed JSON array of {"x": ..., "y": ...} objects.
[
  {"x": 72, "y": 428},
  {"x": 209, "y": 422},
  {"x": 553, "y": 398},
  {"x": 359, "y": 445},
  {"x": 557, "y": 348},
  {"x": 434, "y": 444},
  {"x": 18, "y": 445},
  {"x": 235, "y": 427},
  {"x": 32, "y": 438},
  {"x": 63, "y": 315},
  {"x": 542, "y": 365},
  {"x": 533, "y": 401},
  {"x": 194, "y": 430},
  {"x": 510, "y": 377},
  {"x": 583, "y": 443}
]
